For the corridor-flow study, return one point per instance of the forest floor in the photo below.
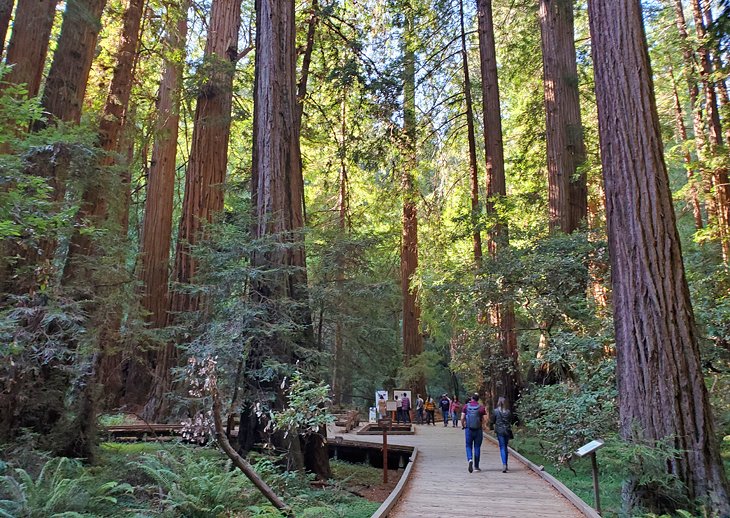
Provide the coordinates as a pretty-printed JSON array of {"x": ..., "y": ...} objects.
[
  {"x": 147, "y": 479},
  {"x": 580, "y": 479}
]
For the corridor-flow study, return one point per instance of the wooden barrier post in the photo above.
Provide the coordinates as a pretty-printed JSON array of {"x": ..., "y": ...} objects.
[
  {"x": 590, "y": 449},
  {"x": 385, "y": 423},
  {"x": 597, "y": 496}
]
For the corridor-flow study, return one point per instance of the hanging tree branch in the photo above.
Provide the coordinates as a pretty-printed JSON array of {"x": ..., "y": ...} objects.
[{"x": 239, "y": 461}]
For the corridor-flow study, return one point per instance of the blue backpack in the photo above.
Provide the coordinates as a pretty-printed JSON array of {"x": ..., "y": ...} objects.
[{"x": 473, "y": 419}]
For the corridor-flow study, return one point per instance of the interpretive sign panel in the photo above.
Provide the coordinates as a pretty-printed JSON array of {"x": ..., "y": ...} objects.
[{"x": 589, "y": 448}]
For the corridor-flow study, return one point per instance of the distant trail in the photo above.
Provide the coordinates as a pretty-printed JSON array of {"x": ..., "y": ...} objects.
[{"x": 441, "y": 486}]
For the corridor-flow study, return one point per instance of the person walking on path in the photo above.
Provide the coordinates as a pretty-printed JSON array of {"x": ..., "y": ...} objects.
[
  {"x": 419, "y": 409},
  {"x": 455, "y": 410},
  {"x": 502, "y": 422},
  {"x": 382, "y": 407},
  {"x": 445, "y": 405},
  {"x": 406, "y": 408},
  {"x": 471, "y": 422},
  {"x": 430, "y": 408}
]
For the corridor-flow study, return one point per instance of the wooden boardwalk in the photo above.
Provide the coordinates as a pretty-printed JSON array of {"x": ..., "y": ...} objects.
[{"x": 441, "y": 486}]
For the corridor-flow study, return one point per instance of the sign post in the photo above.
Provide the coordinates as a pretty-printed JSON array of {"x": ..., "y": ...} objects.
[
  {"x": 590, "y": 449},
  {"x": 385, "y": 423}
]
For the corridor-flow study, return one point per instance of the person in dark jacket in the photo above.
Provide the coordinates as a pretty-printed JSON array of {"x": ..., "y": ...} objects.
[
  {"x": 445, "y": 405},
  {"x": 502, "y": 422}
]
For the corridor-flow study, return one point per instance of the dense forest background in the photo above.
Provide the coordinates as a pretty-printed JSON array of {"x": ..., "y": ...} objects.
[{"x": 151, "y": 245}]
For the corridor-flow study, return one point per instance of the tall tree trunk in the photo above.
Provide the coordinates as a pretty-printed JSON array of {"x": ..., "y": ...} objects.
[
  {"x": 342, "y": 372},
  {"x": 97, "y": 210},
  {"x": 507, "y": 383},
  {"x": 698, "y": 123},
  {"x": 662, "y": 395},
  {"x": 307, "y": 60},
  {"x": 717, "y": 64},
  {"x": 157, "y": 224},
  {"x": 277, "y": 193},
  {"x": 6, "y": 11},
  {"x": 94, "y": 208},
  {"x": 205, "y": 175},
  {"x": 681, "y": 136},
  {"x": 28, "y": 44},
  {"x": 721, "y": 187},
  {"x": 63, "y": 95},
  {"x": 412, "y": 338},
  {"x": 473, "y": 170},
  {"x": 567, "y": 191}
]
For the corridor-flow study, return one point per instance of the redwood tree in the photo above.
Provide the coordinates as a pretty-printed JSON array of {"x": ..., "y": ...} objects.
[
  {"x": 412, "y": 338},
  {"x": 567, "y": 192},
  {"x": 720, "y": 182},
  {"x": 471, "y": 138},
  {"x": 206, "y": 171},
  {"x": 277, "y": 191},
  {"x": 65, "y": 88},
  {"x": 505, "y": 381},
  {"x": 157, "y": 223},
  {"x": 94, "y": 206},
  {"x": 29, "y": 41},
  {"x": 6, "y": 10},
  {"x": 662, "y": 395}
]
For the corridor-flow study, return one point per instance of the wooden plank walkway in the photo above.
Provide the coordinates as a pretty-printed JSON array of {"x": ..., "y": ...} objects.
[{"x": 441, "y": 485}]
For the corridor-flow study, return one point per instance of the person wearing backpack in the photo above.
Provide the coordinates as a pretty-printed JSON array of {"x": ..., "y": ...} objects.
[
  {"x": 501, "y": 421},
  {"x": 471, "y": 422}
]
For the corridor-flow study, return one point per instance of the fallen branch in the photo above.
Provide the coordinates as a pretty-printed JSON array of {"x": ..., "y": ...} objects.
[{"x": 239, "y": 461}]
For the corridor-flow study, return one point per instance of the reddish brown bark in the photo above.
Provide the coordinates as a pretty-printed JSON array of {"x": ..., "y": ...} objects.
[
  {"x": 473, "y": 170},
  {"x": 205, "y": 175},
  {"x": 717, "y": 64},
  {"x": 567, "y": 191},
  {"x": 681, "y": 137},
  {"x": 698, "y": 123},
  {"x": 721, "y": 187},
  {"x": 63, "y": 95},
  {"x": 157, "y": 223},
  {"x": 307, "y": 59},
  {"x": 342, "y": 372},
  {"x": 507, "y": 382},
  {"x": 412, "y": 337},
  {"x": 28, "y": 44},
  {"x": 662, "y": 394},
  {"x": 6, "y": 10},
  {"x": 277, "y": 193},
  {"x": 94, "y": 206}
]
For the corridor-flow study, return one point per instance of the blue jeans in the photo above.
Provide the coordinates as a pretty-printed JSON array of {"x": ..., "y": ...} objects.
[
  {"x": 445, "y": 414},
  {"x": 473, "y": 441},
  {"x": 503, "y": 443},
  {"x": 455, "y": 417}
]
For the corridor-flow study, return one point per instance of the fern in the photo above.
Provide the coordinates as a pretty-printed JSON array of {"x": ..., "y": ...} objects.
[
  {"x": 63, "y": 488},
  {"x": 195, "y": 486}
]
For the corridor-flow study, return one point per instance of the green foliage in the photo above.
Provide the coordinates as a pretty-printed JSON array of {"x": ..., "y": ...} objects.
[
  {"x": 195, "y": 486},
  {"x": 306, "y": 409},
  {"x": 569, "y": 414},
  {"x": 63, "y": 488}
]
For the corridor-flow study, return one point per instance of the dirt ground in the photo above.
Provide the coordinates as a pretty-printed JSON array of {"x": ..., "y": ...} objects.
[{"x": 380, "y": 492}]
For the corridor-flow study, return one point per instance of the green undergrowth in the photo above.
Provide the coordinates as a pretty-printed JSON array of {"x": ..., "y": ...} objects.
[
  {"x": 169, "y": 480},
  {"x": 578, "y": 477},
  {"x": 580, "y": 481}
]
